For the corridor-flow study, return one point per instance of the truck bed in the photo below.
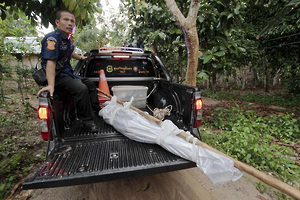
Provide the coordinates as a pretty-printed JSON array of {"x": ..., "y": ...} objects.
[{"x": 88, "y": 158}]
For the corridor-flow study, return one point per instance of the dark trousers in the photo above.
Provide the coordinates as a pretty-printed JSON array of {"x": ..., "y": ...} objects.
[{"x": 84, "y": 92}]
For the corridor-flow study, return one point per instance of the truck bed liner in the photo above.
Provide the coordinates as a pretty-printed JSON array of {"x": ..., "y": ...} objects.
[{"x": 102, "y": 157}]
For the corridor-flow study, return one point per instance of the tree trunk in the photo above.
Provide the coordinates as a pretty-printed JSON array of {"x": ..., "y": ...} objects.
[
  {"x": 254, "y": 78},
  {"x": 214, "y": 82},
  {"x": 227, "y": 82},
  {"x": 154, "y": 48},
  {"x": 192, "y": 44},
  {"x": 207, "y": 83},
  {"x": 267, "y": 80},
  {"x": 244, "y": 77},
  {"x": 1, "y": 84},
  {"x": 188, "y": 26},
  {"x": 180, "y": 73}
]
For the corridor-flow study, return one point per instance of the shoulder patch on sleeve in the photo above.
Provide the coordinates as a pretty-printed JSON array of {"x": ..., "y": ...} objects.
[
  {"x": 51, "y": 38},
  {"x": 51, "y": 41},
  {"x": 50, "y": 45}
]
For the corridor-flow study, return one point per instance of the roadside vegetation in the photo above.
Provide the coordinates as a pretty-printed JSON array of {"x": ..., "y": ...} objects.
[
  {"x": 267, "y": 141},
  {"x": 21, "y": 147},
  {"x": 288, "y": 100}
]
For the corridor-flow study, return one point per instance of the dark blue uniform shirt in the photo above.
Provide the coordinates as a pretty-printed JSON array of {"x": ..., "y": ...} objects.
[{"x": 55, "y": 47}]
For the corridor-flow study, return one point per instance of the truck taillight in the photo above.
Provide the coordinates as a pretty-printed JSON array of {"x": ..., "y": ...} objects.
[
  {"x": 43, "y": 114},
  {"x": 198, "y": 112},
  {"x": 198, "y": 104}
]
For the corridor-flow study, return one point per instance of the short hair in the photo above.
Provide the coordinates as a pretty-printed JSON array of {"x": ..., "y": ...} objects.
[{"x": 58, "y": 14}]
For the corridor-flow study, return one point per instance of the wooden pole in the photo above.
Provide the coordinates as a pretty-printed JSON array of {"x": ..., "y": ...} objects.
[{"x": 269, "y": 180}]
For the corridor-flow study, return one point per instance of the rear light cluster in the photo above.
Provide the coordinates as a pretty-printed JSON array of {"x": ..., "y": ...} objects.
[
  {"x": 198, "y": 103},
  {"x": 43, "y": 114}
]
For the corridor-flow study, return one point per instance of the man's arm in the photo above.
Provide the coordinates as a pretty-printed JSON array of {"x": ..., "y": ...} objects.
[
  {"x": 50, "y": 74},
  {"x": 78, "y": 57}
]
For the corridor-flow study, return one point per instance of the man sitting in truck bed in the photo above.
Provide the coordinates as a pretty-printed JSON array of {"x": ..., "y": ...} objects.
[{"x": 55, "y": 46}]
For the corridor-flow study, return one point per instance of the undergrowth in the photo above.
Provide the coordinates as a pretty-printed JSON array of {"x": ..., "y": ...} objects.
[
  {"x": 279, "y": 99},
  {"x": 18, "y": 146},
  {"x": 269, "y": 144}
]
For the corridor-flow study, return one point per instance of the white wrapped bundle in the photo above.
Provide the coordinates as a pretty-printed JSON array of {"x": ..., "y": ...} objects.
[{"x": 219, "y": 169}]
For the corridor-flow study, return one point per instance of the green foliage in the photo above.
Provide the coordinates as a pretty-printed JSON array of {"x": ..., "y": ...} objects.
[
  {"x": 89, "y": 38},
  {"x": 276, "y": 99},
  {"x": 279, "y": 54},
  {"x": 16, "y": 148},
  {"x": 83, "y": 10},
  {"x": 19, "y": 27},
  {"x": 224, "y": 43},
  {"x": 110, "y": 31},
  {"x": 262, "y": 187},
  {"x": 202, "y": 75},
  {"x": 227, "y": 31},
  {"x": 152, "y": 24},
  {"x": 257, "y": 141}
]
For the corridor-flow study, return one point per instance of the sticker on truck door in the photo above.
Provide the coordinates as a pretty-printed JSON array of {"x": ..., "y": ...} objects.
[{"x": 109, "y": 68}]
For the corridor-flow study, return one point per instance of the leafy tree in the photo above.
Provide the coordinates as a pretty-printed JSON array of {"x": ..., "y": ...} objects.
[
  {"x": 222, "y": 44},
  {"x": 90, "y": 38},
  {"x": 189, "y": 28},
  {"x": 83, "y": 9},
  {"x": 18, "y": 27},
  {"x": 117, "y": 32},
  {"x": 278, "y": 26},
  {"x": 274, "y": 21},
  {"x": 153, "y": 25},
  {"x": 110, "y": 31}
]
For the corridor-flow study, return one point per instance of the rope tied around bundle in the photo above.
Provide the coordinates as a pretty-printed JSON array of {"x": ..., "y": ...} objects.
[{"x": 161, "y": 113}]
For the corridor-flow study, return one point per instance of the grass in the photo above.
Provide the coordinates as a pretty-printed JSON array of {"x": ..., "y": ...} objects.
[
  {"x": 21, "y": 147},
  {"x": 279, "y": 99},
  {"x": 267, "y": 143}
]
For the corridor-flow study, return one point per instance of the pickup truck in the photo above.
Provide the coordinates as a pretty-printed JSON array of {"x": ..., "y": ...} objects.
[{"x": 75, "y": 156}]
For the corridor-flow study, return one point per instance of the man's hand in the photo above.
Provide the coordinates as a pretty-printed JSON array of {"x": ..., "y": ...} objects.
[
  {"x": 78, "y": 57},
  {"x": 48, "y": 88},
  {"x": 83, "y": 57}
]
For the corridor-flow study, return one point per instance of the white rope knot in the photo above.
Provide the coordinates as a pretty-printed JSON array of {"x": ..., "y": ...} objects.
[{"x": 161, "y": 113}]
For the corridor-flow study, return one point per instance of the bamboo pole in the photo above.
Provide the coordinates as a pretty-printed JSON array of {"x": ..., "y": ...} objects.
[{"x": 269, "y": 180}]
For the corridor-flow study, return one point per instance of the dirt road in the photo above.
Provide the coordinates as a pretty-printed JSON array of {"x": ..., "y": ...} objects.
[{"x": 186, "y": 184}]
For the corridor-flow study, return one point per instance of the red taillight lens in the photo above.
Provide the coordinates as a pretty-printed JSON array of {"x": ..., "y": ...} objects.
[
  {"x": 121, "y": 57},
  {"x": 45, "y": 136},
  {"x": 43, "y": 113}
]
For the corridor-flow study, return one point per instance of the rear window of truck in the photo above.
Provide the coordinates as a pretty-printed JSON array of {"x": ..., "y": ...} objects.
[{"x": 121, "y": 68}]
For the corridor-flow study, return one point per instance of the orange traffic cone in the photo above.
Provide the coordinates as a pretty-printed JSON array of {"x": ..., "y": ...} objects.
[{"x": 104, "y": 87}]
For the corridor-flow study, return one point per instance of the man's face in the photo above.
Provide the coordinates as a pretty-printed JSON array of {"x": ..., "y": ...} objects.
[{"x": 66, "y": 23}]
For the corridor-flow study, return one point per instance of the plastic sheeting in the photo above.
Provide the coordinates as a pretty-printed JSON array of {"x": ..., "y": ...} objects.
[{"x": 219, "y": 169}]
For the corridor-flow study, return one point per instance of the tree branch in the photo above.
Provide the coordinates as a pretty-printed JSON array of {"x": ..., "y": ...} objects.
[
  {"x": 193, "y": 12},
  {"x": 171, "y": 4}
]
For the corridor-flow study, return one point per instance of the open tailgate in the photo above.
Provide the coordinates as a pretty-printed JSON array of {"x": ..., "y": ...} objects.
[{"x": 84, "y": 159}]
